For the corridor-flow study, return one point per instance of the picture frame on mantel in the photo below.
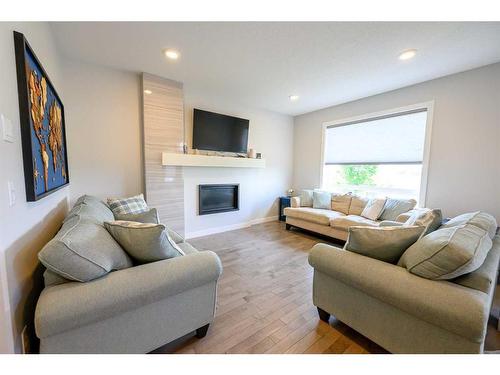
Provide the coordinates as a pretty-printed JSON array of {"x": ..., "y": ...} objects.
[{"x": 43, "y": 128}]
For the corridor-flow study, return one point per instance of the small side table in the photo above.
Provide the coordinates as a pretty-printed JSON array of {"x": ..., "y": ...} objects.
[{"x": 284, "y": 202}]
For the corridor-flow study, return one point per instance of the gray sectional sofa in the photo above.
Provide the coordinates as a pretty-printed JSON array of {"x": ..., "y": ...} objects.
[
  {"x": 404, "y": 312},
  {"x": 129, "y": 309}
]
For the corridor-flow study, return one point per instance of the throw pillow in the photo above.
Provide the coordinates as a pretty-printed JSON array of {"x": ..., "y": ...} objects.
[
  {"x": 132, "y": 205},
  {"x": 145, "y": 242},
  {"x": 373, "y": 208},
  {"x": 83, "y": 250},
  {"x": 150, "y": 216},
  {"x": 386, "y": 243},
  {"x": 479, "y": 219},
  {"x": 322, "y": 199},
  {"x": 306, "y": 198},
  {"x": 357, "y": 205},
  {"x": 341, "y": 203},
  {"x": 429, "y": 218},
  {"x": 448, "y": 253},
  {"x": 395, "y": 207}
]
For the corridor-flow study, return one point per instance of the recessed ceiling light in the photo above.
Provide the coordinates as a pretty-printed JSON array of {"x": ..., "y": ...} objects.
[
  {"x": 408, "y": 54},
  {"x": 148, "y": 92},
  {"x": 172, "y": 54},
  {"x": 293, "y": 98}
]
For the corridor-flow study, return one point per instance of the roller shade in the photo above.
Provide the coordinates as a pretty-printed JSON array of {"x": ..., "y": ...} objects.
[{"x": 394, "y": 139}]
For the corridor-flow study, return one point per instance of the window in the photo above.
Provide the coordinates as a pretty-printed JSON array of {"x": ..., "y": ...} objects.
[{"x": 379, "y": 155}]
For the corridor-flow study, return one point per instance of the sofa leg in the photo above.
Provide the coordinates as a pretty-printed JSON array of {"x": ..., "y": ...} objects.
[
  {"x": 288, "y": 226},
  {"x": 323, "y": 315},
  {"x": 202, "y": 332}
]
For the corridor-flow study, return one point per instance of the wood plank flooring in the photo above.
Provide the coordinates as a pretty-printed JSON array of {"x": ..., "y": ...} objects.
[{"x": 265, "y": 299}]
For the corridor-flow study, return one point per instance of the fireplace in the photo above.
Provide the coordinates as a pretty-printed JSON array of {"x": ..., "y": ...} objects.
[{"x": 215, "y": 198}]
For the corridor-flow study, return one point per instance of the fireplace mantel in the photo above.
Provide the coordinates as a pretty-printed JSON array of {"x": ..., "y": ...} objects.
[{"x": 188, "y": 160}]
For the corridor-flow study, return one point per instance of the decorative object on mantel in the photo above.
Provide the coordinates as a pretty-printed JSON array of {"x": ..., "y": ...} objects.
[
  {"x": 43, "y": 131},
  {"x": 290, "y": 192},
  {"x": 259, "y": 155},
  {"x": 251, "y": 153}
]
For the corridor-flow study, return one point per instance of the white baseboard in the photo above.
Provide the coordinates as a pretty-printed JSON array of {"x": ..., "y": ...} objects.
[{"x": 228, "y": 228}]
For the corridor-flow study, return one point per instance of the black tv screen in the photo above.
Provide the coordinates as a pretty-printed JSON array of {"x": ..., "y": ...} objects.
[{"x": 216, "y": 132}]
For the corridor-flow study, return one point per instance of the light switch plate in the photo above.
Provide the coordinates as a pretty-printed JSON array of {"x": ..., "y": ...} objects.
[
  {"x": 7, "y": 129},
  {"x": 12, "y": 193}
]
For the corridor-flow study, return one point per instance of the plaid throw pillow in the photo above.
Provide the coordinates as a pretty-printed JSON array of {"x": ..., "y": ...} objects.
[{"x": 132, "y": 205}]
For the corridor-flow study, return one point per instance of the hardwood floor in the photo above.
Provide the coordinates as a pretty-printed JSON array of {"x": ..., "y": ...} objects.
[{"x": 264, "y": 299}]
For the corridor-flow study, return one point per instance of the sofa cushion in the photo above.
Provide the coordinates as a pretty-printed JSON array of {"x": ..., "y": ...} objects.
[
  {"x": 145, "y": 242},
  {"x": 83, "y": 250},
  {"x": 314, "y": 215},
  {"x": 395, "y": 207},
  {"x": 322, "y": 199},
  {"x": 373, "y": 208},
  {"x": 344, "y": 222},
  {"x": 357, "y": 205},
  {"x": 383, "y": 243},
  {"x": 448, "y": 253},
  {"x": 479, "y": 219},
  {"x": 429, "y": 218},
  {"x": 92, "y": 208},
  {"x": 341, "y": 203},
  {"x": 132, "y": 205},
  {"x": 187, "y": 248},
  {"x": 306, "y": 198},
  {"x": 150, "y": 216}
]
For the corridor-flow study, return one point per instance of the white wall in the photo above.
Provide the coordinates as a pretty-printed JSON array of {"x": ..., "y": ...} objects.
[
  {"x": 25, "y": 227},
  {"x": 269, "y": 133},
  {"x": 103, "y": 116},
  {"x": 465, "y": 149}
]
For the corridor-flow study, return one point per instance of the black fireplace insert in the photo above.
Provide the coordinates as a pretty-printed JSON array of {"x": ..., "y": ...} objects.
[{"x": 215, "y": 198}]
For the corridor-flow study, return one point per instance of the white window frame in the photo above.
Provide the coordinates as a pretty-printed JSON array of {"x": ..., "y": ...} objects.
[{"x": 428, "y": 106}]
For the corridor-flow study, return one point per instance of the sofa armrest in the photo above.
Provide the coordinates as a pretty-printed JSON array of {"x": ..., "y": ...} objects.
[
  {"x": 390, "y": 223},
  {"x": 295, "y": 202},
  {"x": 74, "y": 304},
  {"x": 458, "y": 309}
]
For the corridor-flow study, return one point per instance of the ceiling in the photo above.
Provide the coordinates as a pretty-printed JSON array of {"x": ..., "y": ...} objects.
[{"x": 262, "y": 64}]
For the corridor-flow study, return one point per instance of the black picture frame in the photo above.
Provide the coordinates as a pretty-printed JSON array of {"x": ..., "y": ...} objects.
[{"x": 22, "y": 48}]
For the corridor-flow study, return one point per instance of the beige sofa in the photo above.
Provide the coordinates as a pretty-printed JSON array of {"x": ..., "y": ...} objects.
[{"x": 345, "y": 212}]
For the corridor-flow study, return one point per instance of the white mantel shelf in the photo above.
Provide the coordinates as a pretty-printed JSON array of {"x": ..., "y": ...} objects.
[{"x": 188, "y": 160}]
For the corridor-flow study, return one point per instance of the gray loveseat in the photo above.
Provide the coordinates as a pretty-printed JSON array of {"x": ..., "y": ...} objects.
[
  {"x": 403, "y": 312},
  {"x": 132, "y": 310}
]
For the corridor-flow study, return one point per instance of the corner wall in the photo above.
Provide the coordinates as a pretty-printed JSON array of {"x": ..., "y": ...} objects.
[
  {"x": 465, "y": 147},
  {"x": 25, "y": 227}
]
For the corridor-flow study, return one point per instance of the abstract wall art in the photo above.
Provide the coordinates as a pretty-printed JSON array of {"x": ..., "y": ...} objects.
[{"x": 43, "y": 131}]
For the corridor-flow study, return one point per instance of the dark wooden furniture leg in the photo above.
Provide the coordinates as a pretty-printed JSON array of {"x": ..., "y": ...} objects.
[
  {"x": 323, "y": 315},
  {"x": 288, "y": 226},
  {"x": 202, "y": 332}
]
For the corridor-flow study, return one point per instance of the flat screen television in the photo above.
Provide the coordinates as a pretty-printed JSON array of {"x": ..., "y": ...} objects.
[{"x": 216, "y": 132}]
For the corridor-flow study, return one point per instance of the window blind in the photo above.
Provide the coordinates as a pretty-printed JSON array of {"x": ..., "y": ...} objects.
[{"x": 393, "y": 139}]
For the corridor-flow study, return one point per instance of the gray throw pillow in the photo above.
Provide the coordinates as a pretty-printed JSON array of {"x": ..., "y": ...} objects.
[
  {"x": 322, "y": 199},
  {"x": 448, "y": 253},
  {"x": 306, "y": 198},
  {"x": 144, "y": 242},
  {"x": 83, "y": 250},
  {"x": 150, "y": 216},
  {"x": 479, "y": 219},
  {"x": 395, "y": 207},
  {"x": 431, "y": 219},
  {"x": 382, "y": 243},
  {"x": 132, "y": 205}
]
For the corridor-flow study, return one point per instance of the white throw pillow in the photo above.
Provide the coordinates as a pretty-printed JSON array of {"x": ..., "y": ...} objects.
[{"x": 374, "y": 208}]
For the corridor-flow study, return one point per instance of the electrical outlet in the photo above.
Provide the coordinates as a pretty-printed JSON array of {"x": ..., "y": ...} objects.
[
  {"x": 12, "y": 193},
  {"x": 25, "y": 340}
]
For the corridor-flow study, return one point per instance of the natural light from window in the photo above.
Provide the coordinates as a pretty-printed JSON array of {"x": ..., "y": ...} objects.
[{"x": 377, "y": 157}]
